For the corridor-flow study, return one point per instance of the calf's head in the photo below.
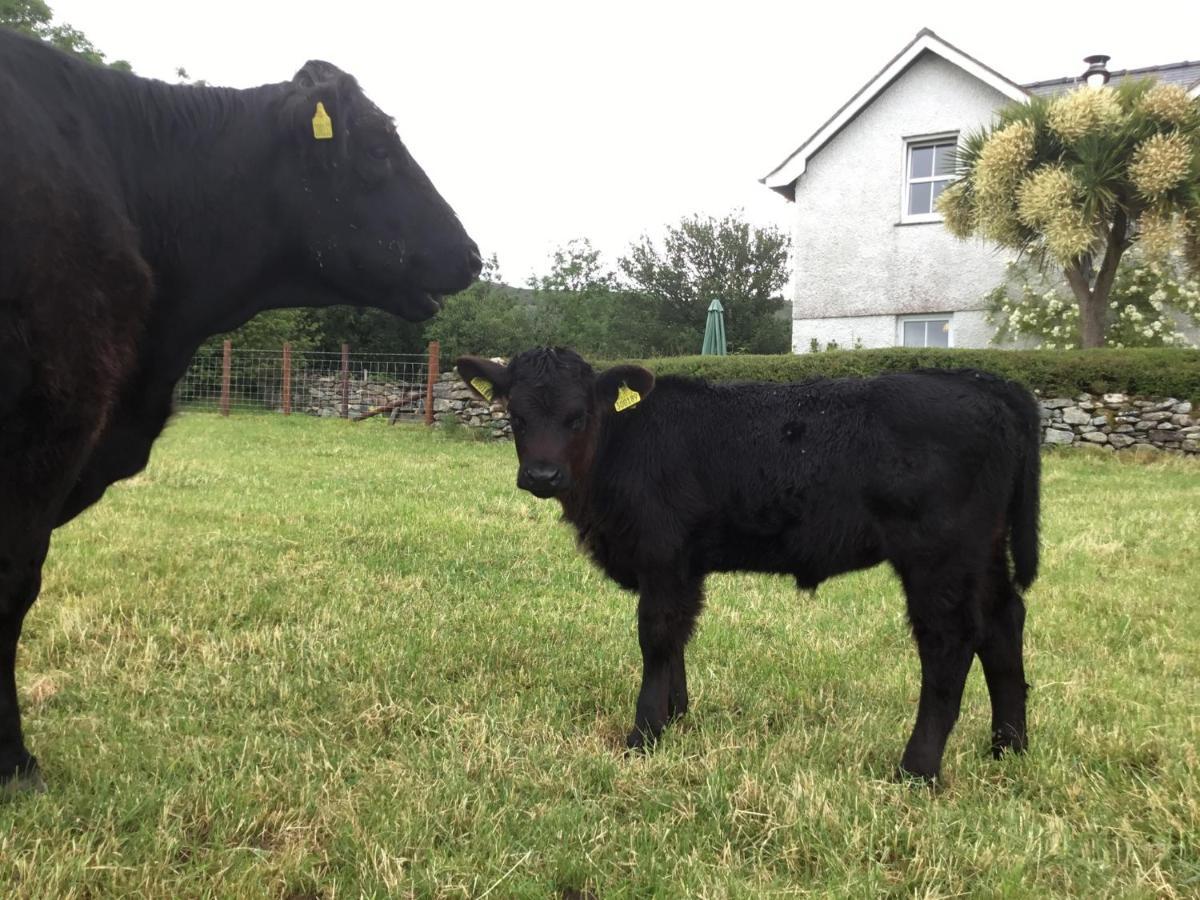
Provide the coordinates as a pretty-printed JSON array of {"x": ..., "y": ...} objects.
[
  {"x": 557, "y": 405},
  {"x": 374, "y": 230}
]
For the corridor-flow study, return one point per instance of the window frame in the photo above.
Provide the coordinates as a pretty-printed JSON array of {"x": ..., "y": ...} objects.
[
  {"x": 916, "y": 142},
  {"x": 946, "y": 317}
]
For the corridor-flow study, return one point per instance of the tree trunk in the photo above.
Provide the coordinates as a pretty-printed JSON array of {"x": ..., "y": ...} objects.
[
  {"x": 1091, "y": 312},
  {"x": 1093, "y": 297},
  {"x": 1092, "y": 323}
]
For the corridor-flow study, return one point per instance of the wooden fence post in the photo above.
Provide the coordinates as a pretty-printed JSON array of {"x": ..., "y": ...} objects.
[
  {"x": 345, "y": 381},
  {"x": 226, "y": 375},
  {"x": 287, "y": 378},
  {"x": 434, "y": 352}
]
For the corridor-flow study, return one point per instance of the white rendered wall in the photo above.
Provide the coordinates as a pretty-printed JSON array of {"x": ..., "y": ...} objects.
[
  {"x": 855, "y": 265},
  {"x": 968, "y": 328}
]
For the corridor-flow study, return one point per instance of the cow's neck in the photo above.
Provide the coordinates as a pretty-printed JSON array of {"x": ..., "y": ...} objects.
[{"x": 188, "y": 162}]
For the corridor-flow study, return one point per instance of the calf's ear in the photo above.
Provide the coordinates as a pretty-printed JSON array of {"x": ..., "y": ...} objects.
[
  {"x": 622, "y": 387},
  {"x": 489, "y": 380}
]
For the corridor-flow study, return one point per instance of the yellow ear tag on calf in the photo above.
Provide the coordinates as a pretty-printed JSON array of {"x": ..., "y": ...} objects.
[
  {"x": 484, "y": 387},
  {"x": 626, "y": 397},
  {"x": 322, "y": 124}
]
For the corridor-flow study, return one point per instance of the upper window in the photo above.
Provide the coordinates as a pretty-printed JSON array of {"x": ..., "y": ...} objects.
[
  {"x": 929, "y": 168},
  {"x": 925, "y": 332}
]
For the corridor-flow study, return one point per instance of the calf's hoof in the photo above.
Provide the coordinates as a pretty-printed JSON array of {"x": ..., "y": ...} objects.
[
  {"x": 639, "y": 741},
  {"x": 1005, "y": 740},
  {"x": 25, "y": 778},
  {"x": 918, "y": 772},
  {"x": 932, "y": 781}
]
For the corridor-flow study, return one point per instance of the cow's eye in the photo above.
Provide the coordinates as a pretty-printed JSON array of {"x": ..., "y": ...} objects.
[
  {"x": 378, "y": 151},
  {"x": 577, "y": 422},
  {"x": 517, "y": 422}
]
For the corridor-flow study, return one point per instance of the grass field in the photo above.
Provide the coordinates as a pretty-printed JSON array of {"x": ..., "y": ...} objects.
[{"x": 301, "y": 658}]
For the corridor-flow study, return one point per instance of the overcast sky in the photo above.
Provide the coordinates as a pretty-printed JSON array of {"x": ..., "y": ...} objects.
[{"x": 541, "y": 122}]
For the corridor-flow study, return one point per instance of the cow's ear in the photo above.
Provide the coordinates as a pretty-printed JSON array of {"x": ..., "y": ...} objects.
[
  {"x": 316, "y": 110},
  {"x": 622, "y": 387},
  {"x": 489, "y": 380},
  {"x": 317, "y": 73}
]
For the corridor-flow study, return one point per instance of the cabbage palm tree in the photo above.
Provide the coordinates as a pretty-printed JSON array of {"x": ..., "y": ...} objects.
[{"x": 1075, "y": 180}]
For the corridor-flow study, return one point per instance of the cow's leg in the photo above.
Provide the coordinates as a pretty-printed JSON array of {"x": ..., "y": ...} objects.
[
  {"x": 667, "y": 608},
  {"x": 20, "y": 578},
  {"x": 1003, "y": 667},
  {"x": 943, "y": 609}
]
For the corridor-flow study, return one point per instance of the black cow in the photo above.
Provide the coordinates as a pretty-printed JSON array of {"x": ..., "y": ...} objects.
[
  {"x": 935, "y": 472},
  {"x": 137, "y": 219}
]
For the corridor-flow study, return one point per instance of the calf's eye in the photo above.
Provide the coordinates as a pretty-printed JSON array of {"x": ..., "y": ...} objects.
[
  {"x": 577, "y": 423},
  {"x": 517, "y": 421},
  {"x": 378, "y": 151}
]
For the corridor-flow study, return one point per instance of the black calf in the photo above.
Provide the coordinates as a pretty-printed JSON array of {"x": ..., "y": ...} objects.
[{"x": 935, "y": 472}]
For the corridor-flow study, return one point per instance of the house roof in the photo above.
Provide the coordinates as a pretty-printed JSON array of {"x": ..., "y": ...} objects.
[
  {"x": 1186, "y": 74},
  {"x": 783, "y": 177}
]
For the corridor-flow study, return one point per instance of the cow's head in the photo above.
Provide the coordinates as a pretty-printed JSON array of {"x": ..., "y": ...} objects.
[
  {"x": 375, "y": 230},
  {"x": 557, "y": 405}
]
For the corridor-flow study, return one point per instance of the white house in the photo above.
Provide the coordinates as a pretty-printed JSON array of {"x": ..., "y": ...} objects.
[{"x": 873, "y": 266}]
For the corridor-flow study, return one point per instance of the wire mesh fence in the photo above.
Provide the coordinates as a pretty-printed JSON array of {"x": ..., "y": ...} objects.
[{"x": 315, "y": 383}]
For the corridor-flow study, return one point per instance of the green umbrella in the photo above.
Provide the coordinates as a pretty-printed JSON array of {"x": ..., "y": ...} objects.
[{"x": 714, "y": 330}]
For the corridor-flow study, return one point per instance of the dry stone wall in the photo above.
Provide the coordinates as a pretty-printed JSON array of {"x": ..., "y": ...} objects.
[
  {"x": 322, "y": 396},
  {"x": 1117, "y": 422},
  {"x": 454, "y": 402},
  {"x": 1106, "y": 422}
]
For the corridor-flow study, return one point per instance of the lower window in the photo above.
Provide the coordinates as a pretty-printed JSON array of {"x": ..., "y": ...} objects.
[{"x": 925, "y": 332}]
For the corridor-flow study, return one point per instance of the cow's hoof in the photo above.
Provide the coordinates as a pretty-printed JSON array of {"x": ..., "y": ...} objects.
[{"x": 25, "y": 779}]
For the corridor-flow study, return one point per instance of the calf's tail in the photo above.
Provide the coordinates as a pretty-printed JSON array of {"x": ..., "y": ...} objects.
[{"x": 1023, "y": 510}]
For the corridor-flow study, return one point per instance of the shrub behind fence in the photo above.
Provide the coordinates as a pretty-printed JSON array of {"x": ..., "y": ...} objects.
[{"x": 316, "y": 383}]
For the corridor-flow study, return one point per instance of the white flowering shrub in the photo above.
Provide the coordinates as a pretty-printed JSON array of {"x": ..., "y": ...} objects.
[{"x": 1149, "y": 303}]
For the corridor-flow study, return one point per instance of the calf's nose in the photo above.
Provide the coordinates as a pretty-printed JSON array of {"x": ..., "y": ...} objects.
[{"x": 541, "y": 478}]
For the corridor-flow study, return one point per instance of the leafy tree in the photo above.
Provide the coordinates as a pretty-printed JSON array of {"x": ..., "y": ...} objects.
[
  {"x": 1075, "y": 180},
  {"x": 366, "y": 330},
  {"x": 36, "y": 18},
  {"x": 487, "y": 319},
  {"x": 271, "y": 329},
  {"x": 575, "y": 268},
  {"x": 579, "y": 304},
  {"x": 703, "y": 258}
]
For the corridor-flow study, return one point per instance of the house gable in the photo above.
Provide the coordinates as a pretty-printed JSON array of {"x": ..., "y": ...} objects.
[
  {"x": 783, "y": 177},
  {"x": 854, "y": 254}
]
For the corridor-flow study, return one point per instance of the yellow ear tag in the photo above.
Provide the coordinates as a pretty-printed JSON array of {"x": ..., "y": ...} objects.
[
  {"x": 626, "y": 397},
  {"x": 484, "y": 387},
  {"x": 322, "y": 124}
]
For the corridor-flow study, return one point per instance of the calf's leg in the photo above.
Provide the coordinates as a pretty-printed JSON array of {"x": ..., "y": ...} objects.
[
  {"x": 943, "y": 613},
  {"x": 667, "y": 608},
  {"x": 1003, "y": 666},
  {"x": 677, "y": 696}
]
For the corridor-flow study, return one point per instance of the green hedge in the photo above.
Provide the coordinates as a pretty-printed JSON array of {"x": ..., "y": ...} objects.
[{"x": 1155, "y": 372}]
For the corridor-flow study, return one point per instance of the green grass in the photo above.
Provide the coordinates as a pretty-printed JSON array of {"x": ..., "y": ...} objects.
[{"x": 300, "y": 658}]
